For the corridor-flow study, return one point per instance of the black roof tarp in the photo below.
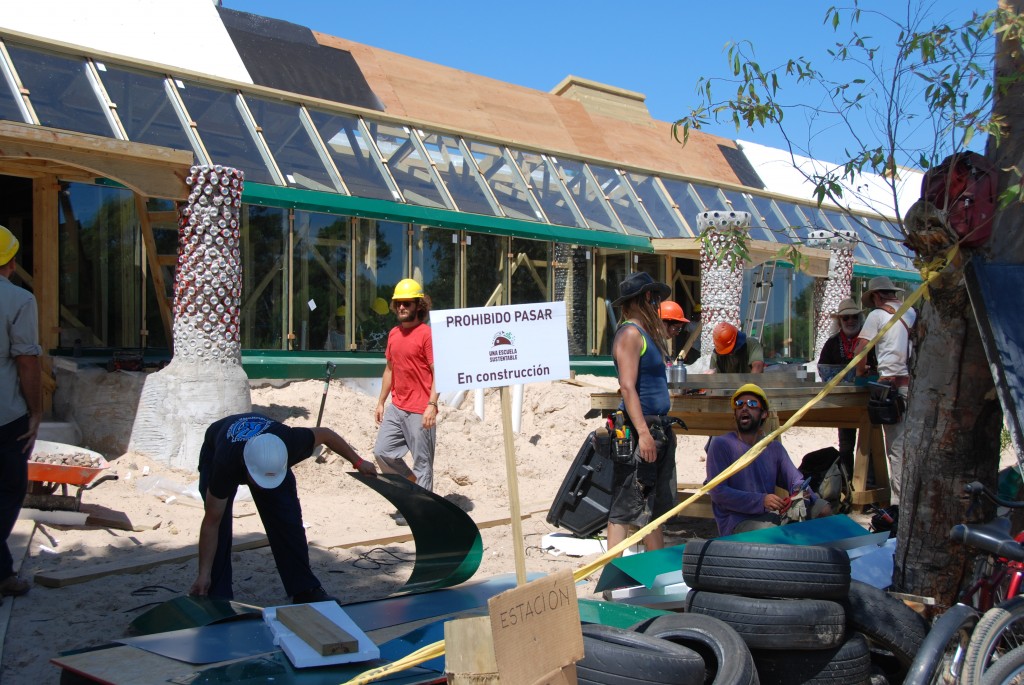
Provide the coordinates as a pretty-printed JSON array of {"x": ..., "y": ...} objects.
[{"x": 286, "y": 56}]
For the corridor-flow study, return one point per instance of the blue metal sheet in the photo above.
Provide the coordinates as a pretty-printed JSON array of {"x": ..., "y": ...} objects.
[{"x": 208, "y": 644}]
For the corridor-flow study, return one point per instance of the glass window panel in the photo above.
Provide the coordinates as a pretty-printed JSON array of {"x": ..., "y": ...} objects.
[
  {"x": 571, "y": 267},
  {"x": 740, "y": 202},
  {"x": 320, "y": 275},
  {"x": 795, "y": 220},
  {"x": 547, "y": 188},
  {"x": 530, "y": 263},
  {"x": 144, "y": 108},
  {"x": 352, "y": 155},
  {"x": 9, "y": 110},
  {"x": 290, "y": 145},
  {"x": 461, "y": 177},
  {"x": 264, "y": 243},
  {"x": 611, "y": 267},
  {"x": 223, "y": 131},
  {"x": 505, "y": 182},
  {"x": 100, "y": 247},
  {"x": 436, "y": 263},
  {"x": 688, "y": 203},
  {"x": 788, "y": 325},
  {"x": 380, "y": 265},
  {"x": 817, "y": 222},
  {"x": 614, "y": 187},
  {"x": 410, "y": 169},
  {"x": 586, "y": 195},
  {"x": 658, "y": 206},
  {"x": 771, "y": 218},
  {"x": 871, "y": 242},
  {"x": 486, "y": 257},
  {"x": 898, "y": 252},
  {"x": 60, "y": 91}
]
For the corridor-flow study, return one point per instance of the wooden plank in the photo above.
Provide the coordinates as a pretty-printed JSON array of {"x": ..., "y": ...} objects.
[
  {"x": 469, "y": 652},
  {"x": 316, "y": 630},
  {"x": 137, "y": 563}
]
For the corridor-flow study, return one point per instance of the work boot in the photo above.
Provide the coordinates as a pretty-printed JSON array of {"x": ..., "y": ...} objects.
[
  {"x": 317, "y": 594},
  {"x": 13, "y": 586}
]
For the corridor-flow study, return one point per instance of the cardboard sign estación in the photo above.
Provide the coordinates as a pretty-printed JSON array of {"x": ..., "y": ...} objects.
[{"x": 536, "y": 631}]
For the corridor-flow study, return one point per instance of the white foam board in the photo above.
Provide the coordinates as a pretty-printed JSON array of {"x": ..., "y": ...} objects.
[{"x": 303, "y": 656}]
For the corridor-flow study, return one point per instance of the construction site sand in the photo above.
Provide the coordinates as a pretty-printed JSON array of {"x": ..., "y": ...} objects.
[{"x": 469, "y": 470}]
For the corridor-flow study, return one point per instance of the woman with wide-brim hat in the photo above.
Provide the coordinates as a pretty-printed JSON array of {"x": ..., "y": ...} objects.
[{"x": 644, "y": 488}]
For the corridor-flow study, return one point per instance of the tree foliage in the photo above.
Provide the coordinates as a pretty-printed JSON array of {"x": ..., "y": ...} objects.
[{"x": 919, "y": 92}]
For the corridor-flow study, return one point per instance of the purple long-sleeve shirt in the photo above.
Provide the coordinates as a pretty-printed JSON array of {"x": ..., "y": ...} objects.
[{"x": 741, "y": 496}]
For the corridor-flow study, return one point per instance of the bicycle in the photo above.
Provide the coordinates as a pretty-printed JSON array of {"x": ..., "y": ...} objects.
[{"x": 988, "y": 620}]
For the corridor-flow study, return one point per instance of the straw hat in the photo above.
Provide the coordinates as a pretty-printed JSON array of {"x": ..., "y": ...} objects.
[
  {"x": 847, "y": 307},
  {"x": 875, "y": 284}
]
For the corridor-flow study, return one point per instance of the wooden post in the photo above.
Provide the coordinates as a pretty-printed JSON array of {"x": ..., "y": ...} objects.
[
  {"x": 513, "y": 485},
  {"x": 46, "y": 272},
  {"x": 469, "y": 652}
]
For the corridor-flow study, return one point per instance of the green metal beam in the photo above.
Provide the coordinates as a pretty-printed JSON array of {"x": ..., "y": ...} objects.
[{"x": 333, "y": 203}]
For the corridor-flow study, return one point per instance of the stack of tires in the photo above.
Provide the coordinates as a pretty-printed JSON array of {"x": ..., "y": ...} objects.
[{"x": 802, "y": 618}]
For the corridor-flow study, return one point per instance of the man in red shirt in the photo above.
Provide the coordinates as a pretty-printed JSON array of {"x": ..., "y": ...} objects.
[{"x": 409, "y": 423}]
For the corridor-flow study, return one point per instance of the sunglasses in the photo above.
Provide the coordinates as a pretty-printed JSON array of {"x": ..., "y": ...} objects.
[
  {"x": 405, "y": 303},
  {"x": 752, "y": 403},
  {"x": 849, "y": 317}
]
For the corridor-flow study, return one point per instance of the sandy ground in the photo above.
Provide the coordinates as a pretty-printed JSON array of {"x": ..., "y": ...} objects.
[{"x": 469, "y": 470}]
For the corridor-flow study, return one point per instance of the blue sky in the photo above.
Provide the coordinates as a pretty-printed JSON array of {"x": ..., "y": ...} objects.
[{"x": 655, "y": 47}]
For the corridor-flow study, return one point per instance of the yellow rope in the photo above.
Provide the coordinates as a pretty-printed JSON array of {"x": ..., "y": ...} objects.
[{"x": 437, "y": 649}]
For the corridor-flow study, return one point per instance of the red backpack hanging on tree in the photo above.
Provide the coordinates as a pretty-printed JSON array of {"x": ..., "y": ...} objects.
[{"x": 963, "y": 188}]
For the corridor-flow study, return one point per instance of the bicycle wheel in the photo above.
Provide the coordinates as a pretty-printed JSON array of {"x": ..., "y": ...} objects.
[
  {"x": 999, "y": 631},
  {"x": 1009, "y": 670},
  {"x": 940, "y": 659}
]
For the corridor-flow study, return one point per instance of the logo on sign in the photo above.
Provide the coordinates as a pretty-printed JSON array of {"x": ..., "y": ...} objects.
[{"x": 503, "y": 347}]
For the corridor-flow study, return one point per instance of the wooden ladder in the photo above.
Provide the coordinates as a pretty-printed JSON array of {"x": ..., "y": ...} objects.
[{"x": 160, "y": 231}]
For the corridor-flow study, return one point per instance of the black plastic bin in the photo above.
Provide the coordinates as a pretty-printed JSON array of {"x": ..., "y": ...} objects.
[{"x": 585, "y": 496}]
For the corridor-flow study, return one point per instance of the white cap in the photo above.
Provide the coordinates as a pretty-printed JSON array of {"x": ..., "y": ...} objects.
[{"x": 266, "y": 457}]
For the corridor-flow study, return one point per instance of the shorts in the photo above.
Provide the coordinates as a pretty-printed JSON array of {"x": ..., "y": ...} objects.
[{"x": 641, "y": 492}]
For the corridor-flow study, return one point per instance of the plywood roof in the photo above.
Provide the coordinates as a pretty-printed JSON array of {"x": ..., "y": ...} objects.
[{"x": 473, "y": 104}]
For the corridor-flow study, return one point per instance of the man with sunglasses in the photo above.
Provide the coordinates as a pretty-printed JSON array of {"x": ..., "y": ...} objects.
[
  {"x": 409, "y": 423},
  {"x": 747, "y": 499},
  {"x": 837, "y": 352}
]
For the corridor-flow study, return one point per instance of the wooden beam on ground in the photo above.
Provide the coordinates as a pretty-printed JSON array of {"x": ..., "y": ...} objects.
[
  {"x": 353, "y": 540},
  {"x": 137, "y": 563}
]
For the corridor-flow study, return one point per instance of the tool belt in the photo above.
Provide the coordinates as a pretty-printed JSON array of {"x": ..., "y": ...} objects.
[
  {"x": 886, "y": 406},
  {"x": 619, "y": 440},
  {"x": 896, "y": 381}
]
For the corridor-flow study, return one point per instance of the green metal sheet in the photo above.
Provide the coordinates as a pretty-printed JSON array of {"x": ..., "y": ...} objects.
[
  {"x": 614, "y": 614},
  {"x": 332, "y": 203},
  {"x": 208, "y": 644},
  {"x": 870, "y": 271},
  {"x": 190, "y": 612},
  {"x": 448, "y": 544}
]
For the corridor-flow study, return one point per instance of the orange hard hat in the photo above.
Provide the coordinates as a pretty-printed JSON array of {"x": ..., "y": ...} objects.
[
  {"x": 670, "y": 311},
  {"x": 724, "y": 335}
]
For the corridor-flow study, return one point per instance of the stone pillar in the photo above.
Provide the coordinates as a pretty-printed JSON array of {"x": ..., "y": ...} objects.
[
  {"x": 205, "y": 380},
  {"x": 721, "y": 271},
  {"x": 830, "y": 291}
]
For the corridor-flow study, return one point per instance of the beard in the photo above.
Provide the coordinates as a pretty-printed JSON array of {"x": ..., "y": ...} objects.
[
  {"x": 850, "y": 329},
  {"x": 407, "y": 315},
  {"x": 747, "y": 424}
]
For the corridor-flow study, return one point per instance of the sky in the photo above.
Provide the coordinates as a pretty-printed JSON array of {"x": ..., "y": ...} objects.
[{"x": 654, "y": 47}]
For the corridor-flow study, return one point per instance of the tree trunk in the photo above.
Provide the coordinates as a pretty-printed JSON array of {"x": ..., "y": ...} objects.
[{"x": 954, "y": 419}]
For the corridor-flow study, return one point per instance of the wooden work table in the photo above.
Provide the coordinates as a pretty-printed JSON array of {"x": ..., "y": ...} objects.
[{"x": 704, "y": 403}]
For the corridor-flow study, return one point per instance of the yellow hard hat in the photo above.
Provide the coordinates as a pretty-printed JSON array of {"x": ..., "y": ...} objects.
[
  {"x": 407, "y": 289},
  {"x": 8, "y": 245},
  {"x": 751, "y": 389},
  {"x": 380, "y": 305},
  {"x": 340, "y": 311}
]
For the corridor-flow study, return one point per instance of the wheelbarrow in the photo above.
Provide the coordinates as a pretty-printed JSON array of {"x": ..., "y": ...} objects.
[{"x": 44, "y": 480}]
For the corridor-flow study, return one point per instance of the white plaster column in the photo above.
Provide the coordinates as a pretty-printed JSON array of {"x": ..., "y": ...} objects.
[
  {"x": 830, "y": 291},
  {"x": 721, "y": 273},
  {"x": 205, "y": 380}
]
